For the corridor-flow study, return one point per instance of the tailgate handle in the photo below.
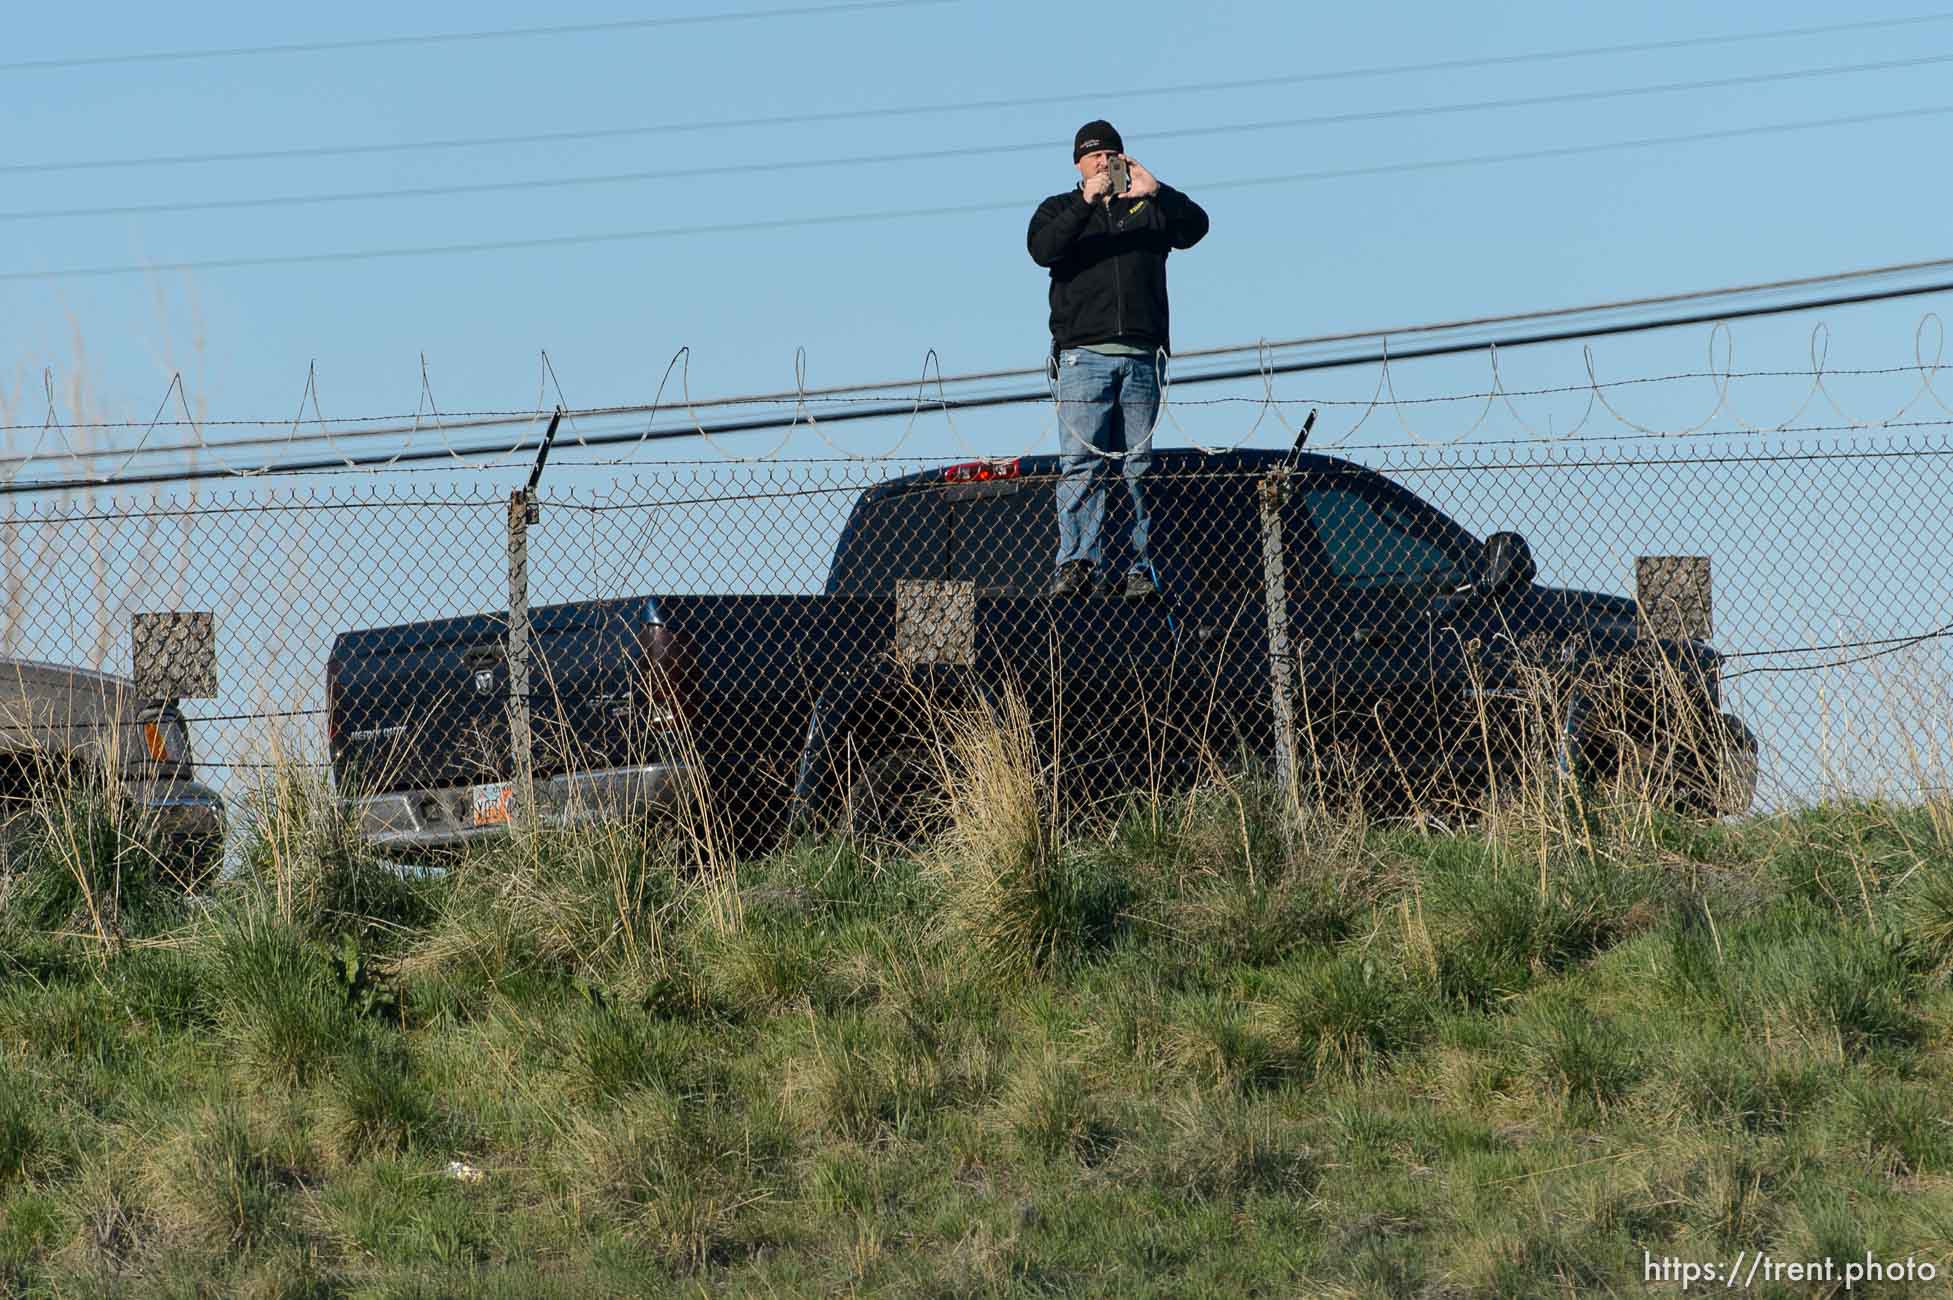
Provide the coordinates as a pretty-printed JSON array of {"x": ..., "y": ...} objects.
[{"x": 482, "y": 656}]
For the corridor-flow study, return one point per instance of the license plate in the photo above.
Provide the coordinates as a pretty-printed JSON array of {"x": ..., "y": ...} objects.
[{"x": 492, "y": 804}]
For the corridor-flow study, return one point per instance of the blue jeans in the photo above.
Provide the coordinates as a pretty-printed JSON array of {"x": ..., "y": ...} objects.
[{"x": 1105, "y": 404}]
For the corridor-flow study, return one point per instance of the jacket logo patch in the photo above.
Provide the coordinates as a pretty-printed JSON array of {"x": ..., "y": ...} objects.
[{"x": 1134, "y": 209}]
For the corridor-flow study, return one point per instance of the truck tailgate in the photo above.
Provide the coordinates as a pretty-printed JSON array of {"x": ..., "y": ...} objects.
[
  {"x": 751, "y": 668},
  {"x": 426, "y": 704}
]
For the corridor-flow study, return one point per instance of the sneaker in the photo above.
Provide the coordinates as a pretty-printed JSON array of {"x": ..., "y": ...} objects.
[
  {"x": 1072, "y": 579},
  {"x": 1138, "y": 585}
]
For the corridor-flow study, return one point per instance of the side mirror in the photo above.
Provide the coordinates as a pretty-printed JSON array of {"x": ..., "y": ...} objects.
[{"x": 1507, "y": 565}]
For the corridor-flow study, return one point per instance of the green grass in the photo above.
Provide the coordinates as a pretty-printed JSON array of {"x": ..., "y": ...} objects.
[{"x": 1172, "y": 1051}]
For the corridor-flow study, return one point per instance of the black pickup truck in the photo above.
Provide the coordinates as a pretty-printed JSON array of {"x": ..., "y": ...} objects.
[{"x": 1413, "y": 643}]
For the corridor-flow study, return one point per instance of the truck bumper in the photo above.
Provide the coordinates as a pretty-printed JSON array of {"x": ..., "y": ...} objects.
[
  {"x": 190, "y": 818},
  {"x": 449, "y": 816}
]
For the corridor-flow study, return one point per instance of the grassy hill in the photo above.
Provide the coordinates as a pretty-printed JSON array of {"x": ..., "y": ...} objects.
[{"x": 1192, "y": 1046}]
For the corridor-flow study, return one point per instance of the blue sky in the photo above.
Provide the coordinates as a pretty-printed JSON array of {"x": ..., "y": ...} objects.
[{"x": 868, "y": 299}]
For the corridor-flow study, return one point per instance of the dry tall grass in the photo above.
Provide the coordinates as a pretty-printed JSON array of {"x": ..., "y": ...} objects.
[{"x": 997, "y": 855}]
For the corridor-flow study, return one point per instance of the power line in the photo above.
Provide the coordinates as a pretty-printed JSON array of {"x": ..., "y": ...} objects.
[
  {"x": 1551, "y": 327},
  {"x": 982, "y": 105},
  {"x": 450, "y": 38},
  {"x": 967, "y": 151},
  {"x": 947, "y": 210}
]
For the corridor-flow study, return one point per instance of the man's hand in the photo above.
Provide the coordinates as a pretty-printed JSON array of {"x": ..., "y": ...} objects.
[
  {"x": 1096, "y": 188},
  {"x": 1144, "y": 183}
]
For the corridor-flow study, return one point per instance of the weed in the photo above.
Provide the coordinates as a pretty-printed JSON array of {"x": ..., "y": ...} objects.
[
  {"x": 1029, "y": 914},
  {"x": 72, "y": 1025},
  {"x": 864, "y": 1080},
  {"x": 1382, "y": 1252},
  {"x": 686, "y": 1178},
  {"x": 835, "y": 880},
  {"x": 1545, "y": 1263},
  {"x": 303, "y": 845},
  {"x": 1738, "y": 1084},
  {"x": 89, "y": 865},
  {"x": 593, "y": 901},
  {"x": 112, "y": 1224},
  {"x": 1737, "y": 1196},
  {"x": 776, "y": 964},
  {"x": 1863, "y": 992},
  {"x": 160, "y": 987},
  {"x": 280, "y": 998},
  {"x": 1504, "y": 928},
  {"x": 613, "y": 1052},
  {"x": 1907, "y": 1127},
  {"x": 1826, "y": 1221},
  {"x": 998, "y": 857},
  {"x": 402, "y": 1210},
  {"x": 1926, "y": 917},
  {"x": 1588, "y": 1060},
  {"x": 22, "y": 1147},
  {"x": 1053, "y": 1113},
  {"x": 1204, "y": 1051},
  {"x": 30, "y": 1229},
  {"x": 218, "y": 1181},
  {"x": 378, "y": 1103},
  {"x": 1259, "y": 923},
  {"x": 1219, "y": 1149},
  {"x": 1227, "y": 1043},
  {"x": 1351, "y": 1015}
]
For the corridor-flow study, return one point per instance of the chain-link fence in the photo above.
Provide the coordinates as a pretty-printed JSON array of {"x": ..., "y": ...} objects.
[{"x": 776, "y": 639}]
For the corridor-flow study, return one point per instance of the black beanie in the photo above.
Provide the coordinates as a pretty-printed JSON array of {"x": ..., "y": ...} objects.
[{"x": 1094, "y": 136}]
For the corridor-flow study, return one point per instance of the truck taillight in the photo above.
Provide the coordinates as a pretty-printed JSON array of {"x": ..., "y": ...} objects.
[
  {"x": 661, "y": 674},
  {"x": 982, "y": 471}
]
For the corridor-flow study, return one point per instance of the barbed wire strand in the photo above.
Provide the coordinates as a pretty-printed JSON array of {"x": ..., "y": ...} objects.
[
  {"x": 814, "y": 396},
  {"x": 1597, "y": 390},
  {"x": 1596, "y": 386}
]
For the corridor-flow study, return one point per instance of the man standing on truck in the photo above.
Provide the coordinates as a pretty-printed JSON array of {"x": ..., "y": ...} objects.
[{"x": 1105, "y": 243}]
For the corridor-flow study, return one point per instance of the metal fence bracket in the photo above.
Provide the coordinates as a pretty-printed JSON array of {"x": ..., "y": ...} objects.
[
  {"x": 1675, "y": 596},
  {"x": 174, "y": 655}
]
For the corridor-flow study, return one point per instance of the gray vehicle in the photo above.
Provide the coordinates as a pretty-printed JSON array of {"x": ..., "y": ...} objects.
[{"x": 61, "y": 725}]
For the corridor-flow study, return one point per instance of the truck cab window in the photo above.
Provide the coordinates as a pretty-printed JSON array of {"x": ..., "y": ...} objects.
[
  {"x": 1002, "y": 536},
  {"x": 1206, "y": 537},
  {"x": 902, "y": 535},
  {"x": 1373, "y": 542}
]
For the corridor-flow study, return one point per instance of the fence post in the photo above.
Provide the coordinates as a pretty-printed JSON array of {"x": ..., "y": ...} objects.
[
  {"x": 1281, "y": 678},
  {"x": 522, "y": 513}
]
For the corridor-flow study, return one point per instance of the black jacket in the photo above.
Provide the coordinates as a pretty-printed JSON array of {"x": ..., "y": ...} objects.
[{"x": 1108, "y": 264}]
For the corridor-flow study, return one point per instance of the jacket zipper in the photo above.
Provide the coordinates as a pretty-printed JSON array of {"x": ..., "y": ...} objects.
[{"x": 1118, "y": 285}]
